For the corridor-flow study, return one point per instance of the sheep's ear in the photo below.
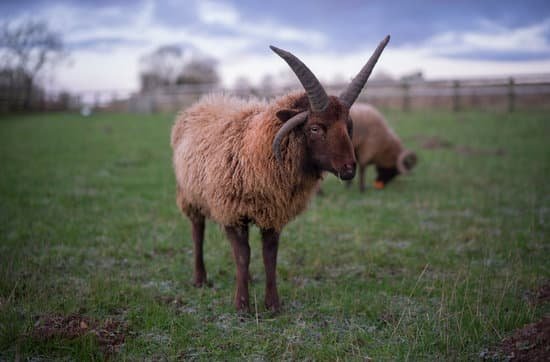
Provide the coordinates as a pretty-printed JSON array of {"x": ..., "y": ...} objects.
[
  {"x": 286, "y": 114},
  {"x": 406, "y": 161}
]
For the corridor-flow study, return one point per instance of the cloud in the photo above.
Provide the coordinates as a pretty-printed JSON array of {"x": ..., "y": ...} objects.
[
  {"x": 211, "y": 12},
  {"x": 219, "y": 13},
  {"x": 493, "y": 42},
  {"x": 396, "y": 61},
  {"x": 91, "y": 33},
  {"x": 94, "y": 71},
  {"x": 107, "y": 42},
  {"x": 83, "y": 26}
]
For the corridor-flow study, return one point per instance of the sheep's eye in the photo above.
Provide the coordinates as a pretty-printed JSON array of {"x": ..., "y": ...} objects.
[{"x": 315, "y": 129}]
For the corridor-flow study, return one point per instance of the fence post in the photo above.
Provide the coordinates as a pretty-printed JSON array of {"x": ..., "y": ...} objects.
[
  {"x": 456, "y": 96},
  {"x": 406, "y": 96},
  {"x": 97, "y": 101},
  {"x": 43, "y": 101},
  {"x": 511, "y": 95},
  {"x": 78, "y": 100}
]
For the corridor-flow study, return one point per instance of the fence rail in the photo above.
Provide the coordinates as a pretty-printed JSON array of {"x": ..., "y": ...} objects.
[{"x": 507, "y": 94}]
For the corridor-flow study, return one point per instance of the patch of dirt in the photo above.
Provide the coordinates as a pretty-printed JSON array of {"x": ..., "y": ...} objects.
[
  {"x": 177, "y": 303},
  {"x": 472, "y": 151},
  {"x": 110, "y": 334},
  {"x": 431, "y": 142},
  {"x": 539, "y": 295},
  {"x": 162, "y": 252},
  {"x": 170, "y": 252},
  {"x": 125, "y": 163},
  {"x": 543, "y": 294},
  {"x": 435, "y": 142},
  {"x": 530, "y": 343},
  {"x": 388, "y": 318},
  {"x": 169, "y": 300}
]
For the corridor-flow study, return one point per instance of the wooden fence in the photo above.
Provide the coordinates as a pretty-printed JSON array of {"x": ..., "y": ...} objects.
[
  {"x": 504, "y": 94},
  {"x": 507, "y": 94}
]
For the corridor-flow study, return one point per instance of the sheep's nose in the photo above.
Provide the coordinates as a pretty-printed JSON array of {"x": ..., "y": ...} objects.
[
  {"x": 350, "y": 166},
  {"x": 348, "y": 171}
]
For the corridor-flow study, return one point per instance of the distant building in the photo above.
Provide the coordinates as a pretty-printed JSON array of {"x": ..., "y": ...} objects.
[{"x": 413, "y": 77}]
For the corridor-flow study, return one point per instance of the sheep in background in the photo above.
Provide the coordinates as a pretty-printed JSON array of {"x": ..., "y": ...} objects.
[
  {"x": 376, "y": 143},
  {"x": 239, "y": 162}
]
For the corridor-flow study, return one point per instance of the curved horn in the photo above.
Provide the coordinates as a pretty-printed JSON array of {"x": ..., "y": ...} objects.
[
  {"x": 406, "y": 161},
  {"x": 354, "y": 88},
  {"x": 318, "y": 98},
  {"x": 289, "y": 125}
]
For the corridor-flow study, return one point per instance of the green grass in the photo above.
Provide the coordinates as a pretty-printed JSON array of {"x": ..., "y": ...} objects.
[{"x": 435, "y": 267}]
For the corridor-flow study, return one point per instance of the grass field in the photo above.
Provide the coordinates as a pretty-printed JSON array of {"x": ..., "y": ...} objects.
[{"x": 440, "y": 265}]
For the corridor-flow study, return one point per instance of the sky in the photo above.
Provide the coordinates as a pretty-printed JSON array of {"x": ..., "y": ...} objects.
[{"x": 442, "y": 39}]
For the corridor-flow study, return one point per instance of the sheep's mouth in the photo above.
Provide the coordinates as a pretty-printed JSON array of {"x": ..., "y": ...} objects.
[{"x": 346, "y": 174}]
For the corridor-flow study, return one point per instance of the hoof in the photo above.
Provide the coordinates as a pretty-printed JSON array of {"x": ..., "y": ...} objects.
[
  {"x": 243, "y": 310},
  {"x": 200, "y": 282},
  {"x": 273, "y": 306},
  {"x": 274, "y": 310},
  {"x": 242, "y": 305}
]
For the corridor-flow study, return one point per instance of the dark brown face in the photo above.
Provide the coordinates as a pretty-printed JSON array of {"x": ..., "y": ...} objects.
[
  {"x": 329, "y": 140},
  {"x": 328, "y": 137},
  {"x": 385, "y": 175}
]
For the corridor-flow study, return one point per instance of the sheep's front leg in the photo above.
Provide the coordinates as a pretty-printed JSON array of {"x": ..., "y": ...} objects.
[
  {"x": 198, "y": 239},
  {"x": 238, "y": 236},
  {"x": 270, "y": 244}
]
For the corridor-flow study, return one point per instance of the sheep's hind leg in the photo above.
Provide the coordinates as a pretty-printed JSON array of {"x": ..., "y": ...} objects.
[
  {"x": 238, "y": 236},
  {"x": 198, "y": 239},
  {"x": 270, "y": 244}
]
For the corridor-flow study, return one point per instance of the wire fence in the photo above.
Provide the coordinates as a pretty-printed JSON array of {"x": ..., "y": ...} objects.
[{"x": 505, "y": 94}]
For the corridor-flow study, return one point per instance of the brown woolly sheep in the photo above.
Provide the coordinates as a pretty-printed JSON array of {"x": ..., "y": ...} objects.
[
  {"x": 239, "y": 162},
  {"x": 376, "y": 143}
]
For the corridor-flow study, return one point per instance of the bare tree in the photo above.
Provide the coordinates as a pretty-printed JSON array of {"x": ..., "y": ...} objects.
[
  {"x": 27, "y": 48},
  {"x": 199, "y": 70},
  {"x": 161, "y": 67},
  {"x": 170, "y": 65}
]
